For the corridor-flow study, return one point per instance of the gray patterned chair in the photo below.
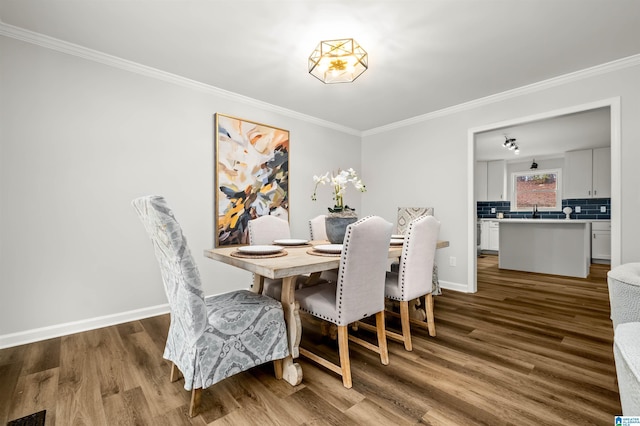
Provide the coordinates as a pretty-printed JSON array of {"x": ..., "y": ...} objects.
[
  {"x": 414, "y": 277},
  {"x": 358, "y": 293},
  {"x": 210, "y": 338}
]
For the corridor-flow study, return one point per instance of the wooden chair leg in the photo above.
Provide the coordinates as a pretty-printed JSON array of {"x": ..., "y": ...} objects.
[
  {"x": 175, "y": 373},
  {"x": 430, "y": 318},
  {"x": 343, "y": 348},
  {"x": 406, "y": 328},
  {"x": 196, "y": 394},
  {"x": 382, "y": 338},
  {"x": 278, "y": 368}
]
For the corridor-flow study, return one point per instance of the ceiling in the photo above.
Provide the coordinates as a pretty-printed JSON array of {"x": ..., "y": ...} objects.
[
  {"x": 547, "y": 138},
  {"x": 424, "y": 55}
]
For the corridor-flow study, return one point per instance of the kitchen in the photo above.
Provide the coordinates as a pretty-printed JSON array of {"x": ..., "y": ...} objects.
[{"x": 549, "y": 209}]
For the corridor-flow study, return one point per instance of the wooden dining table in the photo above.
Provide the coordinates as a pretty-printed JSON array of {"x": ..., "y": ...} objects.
[{"x": 297, "y": 261}]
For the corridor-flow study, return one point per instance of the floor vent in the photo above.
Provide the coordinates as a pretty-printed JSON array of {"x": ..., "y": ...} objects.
[{"x": 35, "y": 419}]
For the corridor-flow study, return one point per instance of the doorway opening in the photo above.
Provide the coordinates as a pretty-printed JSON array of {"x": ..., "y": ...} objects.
[{"x": 613, "y": 104}]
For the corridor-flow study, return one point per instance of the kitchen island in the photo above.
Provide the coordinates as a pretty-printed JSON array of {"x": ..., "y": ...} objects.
[{"x": 548, "y": 246}]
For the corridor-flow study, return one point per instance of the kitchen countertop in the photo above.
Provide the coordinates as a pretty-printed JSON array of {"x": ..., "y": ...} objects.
[{"x": 529, "y": 220}]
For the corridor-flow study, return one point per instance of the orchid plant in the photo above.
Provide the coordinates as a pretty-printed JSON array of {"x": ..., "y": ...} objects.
[{"x": 339, "y": 182}]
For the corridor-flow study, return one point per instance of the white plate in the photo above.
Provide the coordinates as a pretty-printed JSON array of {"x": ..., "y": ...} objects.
[
  {"x": 394, "y": 236},
  {"x": 329, "y": 248},
  {"x": 260, "y": 249},
  {"x": 397, "y": 241},
  {"x": 290, "y": 242}
]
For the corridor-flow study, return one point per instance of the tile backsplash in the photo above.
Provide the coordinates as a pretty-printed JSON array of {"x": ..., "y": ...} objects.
[{"x": 589, "y": 209}]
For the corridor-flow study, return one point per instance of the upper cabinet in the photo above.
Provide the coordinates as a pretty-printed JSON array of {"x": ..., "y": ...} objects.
[
  {"x": 496, "y": 182},
  {"x": 587, "y": 173},
  {"x": 490, "y": 182},
  {"x": 602, "y": 173},
  {"x": 480, "y": 181}
]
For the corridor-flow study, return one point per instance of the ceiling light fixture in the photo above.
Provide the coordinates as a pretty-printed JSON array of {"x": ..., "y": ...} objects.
[
  {"x": 338, "y": 61},
  {"x": 510, "y": 144},
  {"x": 534, "y": 165}
]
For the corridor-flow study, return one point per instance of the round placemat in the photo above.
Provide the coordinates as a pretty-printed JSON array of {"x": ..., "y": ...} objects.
[
  {"x": 258, "y": 256},
  {"x": 320, "y": 253}
]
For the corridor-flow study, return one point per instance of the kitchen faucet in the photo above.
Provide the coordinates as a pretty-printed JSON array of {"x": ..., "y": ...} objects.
[{"x": 535, "y": 214}]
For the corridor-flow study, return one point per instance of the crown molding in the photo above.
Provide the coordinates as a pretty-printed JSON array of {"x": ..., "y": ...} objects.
[
  {"x": 124, "y": 64},
  {"x": 116, "y": 62},
  {"x": 607, "y": 67}
]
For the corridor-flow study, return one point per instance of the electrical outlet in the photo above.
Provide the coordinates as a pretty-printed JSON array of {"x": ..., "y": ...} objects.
[
  {"x": 577, "y": 209},
  {"x": 452, "y": 261},
  {"x": 493, "y": 209},
  {"x": 603, "y": 209}
]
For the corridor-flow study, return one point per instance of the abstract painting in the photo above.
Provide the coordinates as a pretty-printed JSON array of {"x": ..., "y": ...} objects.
[{"x": 251, "y": 176}]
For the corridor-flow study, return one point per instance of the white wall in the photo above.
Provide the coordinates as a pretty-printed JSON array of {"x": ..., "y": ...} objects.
[
  {"x": 426, "y": 163},
  {"x": 79, "y": 141}
]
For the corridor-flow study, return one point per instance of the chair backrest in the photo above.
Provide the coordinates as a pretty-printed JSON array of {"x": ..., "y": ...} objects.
[
  {"x": 407, "y": 214},
  {"x": 179, "y": 272},
  {"x": 415, "y": 276},
  {"x": 265, "y": 229},
  {"x": 363, "y": 264},
  {"x": 318, "y": 228}
]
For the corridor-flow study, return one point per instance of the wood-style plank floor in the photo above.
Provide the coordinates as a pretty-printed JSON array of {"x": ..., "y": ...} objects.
[{"x": 526, "y": 349}]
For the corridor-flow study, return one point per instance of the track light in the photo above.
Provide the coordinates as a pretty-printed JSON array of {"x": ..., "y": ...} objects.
[
  {"x": 511, "y": 145},
  {"x": 534, "y": 165}
]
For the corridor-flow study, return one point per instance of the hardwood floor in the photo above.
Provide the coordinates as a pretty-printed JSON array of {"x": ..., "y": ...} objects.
[{"x": 526, "y": 349}]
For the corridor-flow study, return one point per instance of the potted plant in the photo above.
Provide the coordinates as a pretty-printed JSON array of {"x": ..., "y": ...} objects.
[{"x": 341, "y": 215}]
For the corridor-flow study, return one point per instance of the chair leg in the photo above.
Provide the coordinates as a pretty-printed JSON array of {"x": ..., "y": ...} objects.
[
  {"x": 196, "y": 394},
  {"x": 406, "y": 328},
  {"x": 430, "y": 318},
  {"x": 277, "y": 367},
  {"x": 382, "y": 339},
  {"x": 175, "y": 373},
  {"x": 343, "y": 348}
]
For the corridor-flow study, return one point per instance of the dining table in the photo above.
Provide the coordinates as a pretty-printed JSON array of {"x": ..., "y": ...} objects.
[{"x": 288, "y": 265}]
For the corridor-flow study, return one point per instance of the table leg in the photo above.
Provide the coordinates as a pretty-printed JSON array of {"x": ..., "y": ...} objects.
[{"x": 292, "y": 372}]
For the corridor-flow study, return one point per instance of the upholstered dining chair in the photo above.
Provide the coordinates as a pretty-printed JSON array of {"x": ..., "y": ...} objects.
[
  {"x": 210, "y": 338},
  {"x": 414, "y": 277},
  {"x": 318, "y": 228},
  {"x": 264, "y": 230},
  {"x": 405, "y": 216},
  {"x": 358, "y": 293},
  {"x": 318, "y": 232}
]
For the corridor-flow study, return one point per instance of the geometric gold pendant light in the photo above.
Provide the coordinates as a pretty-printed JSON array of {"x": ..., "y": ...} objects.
[{"x": 338, "y": 61}]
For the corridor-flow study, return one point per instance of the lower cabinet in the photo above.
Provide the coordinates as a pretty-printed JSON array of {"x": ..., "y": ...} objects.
[
  {"x": 601, "y": 240},
  {"x": 494, "y": 236},
  {"x": 490, "y": 235}
]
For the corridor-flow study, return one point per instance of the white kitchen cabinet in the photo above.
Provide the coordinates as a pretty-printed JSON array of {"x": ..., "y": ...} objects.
[
  {"x": 496, "y": 182},
  {"x": 489, "y": 235},
  {"x": 601, "y": 240},
  {"x": 494, "y": 236},
  {"x": 480, "y": 182},
  {"x": 587, "y": 173},
  {"x": 602, "y": 172},
  {"x": 484, "y": 235}
]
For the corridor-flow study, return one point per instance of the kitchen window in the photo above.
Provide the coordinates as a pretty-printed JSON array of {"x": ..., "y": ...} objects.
[{"x": 539, "y": 188}]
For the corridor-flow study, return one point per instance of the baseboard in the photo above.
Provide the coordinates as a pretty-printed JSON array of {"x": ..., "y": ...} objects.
[
  {"x": 49, "y": 332},
  {"x": 454, "y": 286}
]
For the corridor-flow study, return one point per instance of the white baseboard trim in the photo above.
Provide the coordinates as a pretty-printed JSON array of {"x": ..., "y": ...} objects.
[
  {"x": 454, "y": 286},
  {"x": 49, "y": 332}
]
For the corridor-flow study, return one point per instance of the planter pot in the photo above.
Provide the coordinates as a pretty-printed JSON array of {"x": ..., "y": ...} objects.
[{"x": 336, "y": 228}]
